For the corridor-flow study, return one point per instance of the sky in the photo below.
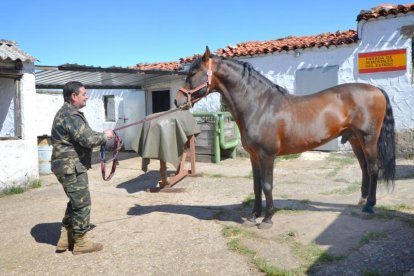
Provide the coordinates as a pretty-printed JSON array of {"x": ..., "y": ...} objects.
[{"x": 127, "y": 32}]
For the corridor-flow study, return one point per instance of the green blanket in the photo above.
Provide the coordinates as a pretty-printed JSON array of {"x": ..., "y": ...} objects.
[{"x": 164, "y": 137}]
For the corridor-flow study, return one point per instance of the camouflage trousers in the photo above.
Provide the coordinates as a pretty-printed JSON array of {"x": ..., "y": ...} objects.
[{"x": 78, "y": 209}]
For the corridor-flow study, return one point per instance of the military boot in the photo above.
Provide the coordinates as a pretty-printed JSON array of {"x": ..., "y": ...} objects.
[
  {"x": 66, "y": 240},
  {"x": 83, "y": 245}
]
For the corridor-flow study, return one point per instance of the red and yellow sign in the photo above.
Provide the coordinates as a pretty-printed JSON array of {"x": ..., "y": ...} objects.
[{"x": 383, "y": 61}]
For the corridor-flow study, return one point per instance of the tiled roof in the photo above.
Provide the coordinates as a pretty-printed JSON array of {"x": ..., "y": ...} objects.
[
  {"x": 385, "y": 10},
  {"x": 289, "y": 43},
  {"x": 162, "y": 66},
  {"x": 10, "y": 50},
  {"x": 264, "y": 47},
  {"x": 165, "y": 66}
]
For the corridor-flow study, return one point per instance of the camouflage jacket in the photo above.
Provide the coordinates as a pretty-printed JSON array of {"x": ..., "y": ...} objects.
[{"x": 72, "y": 141}]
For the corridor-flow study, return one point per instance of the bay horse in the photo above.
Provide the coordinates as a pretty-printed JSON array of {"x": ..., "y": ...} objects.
[{"x": 273, "y": 122}]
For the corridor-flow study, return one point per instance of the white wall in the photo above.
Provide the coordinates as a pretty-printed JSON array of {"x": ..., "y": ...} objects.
[
  {"x": 281, "y": 68},
  {"x": 126, "y": 102},
  {"x": 211, "y": 103},
  {"x": 385, "y": 34},
  {"x": 18, "y": 158},
  {"x": 47, "y": 105}
]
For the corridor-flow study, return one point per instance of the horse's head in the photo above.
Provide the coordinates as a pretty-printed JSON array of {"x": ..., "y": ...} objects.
[{"x": 197, "y": 84}]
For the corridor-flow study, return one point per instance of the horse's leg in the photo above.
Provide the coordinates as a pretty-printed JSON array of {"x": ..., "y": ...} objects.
[
  {"x": 371, "y": 156},
  {"x": 257, "y": 187},
  {"x": 266, "y": 177},
  {"x": 359, "y": 153}
]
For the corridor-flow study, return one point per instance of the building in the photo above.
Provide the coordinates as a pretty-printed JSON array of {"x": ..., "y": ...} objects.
[{"x": 18, "y": 143}]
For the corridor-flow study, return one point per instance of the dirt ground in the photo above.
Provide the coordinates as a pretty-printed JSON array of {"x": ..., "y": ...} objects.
[{"x": 196, "y": 228}]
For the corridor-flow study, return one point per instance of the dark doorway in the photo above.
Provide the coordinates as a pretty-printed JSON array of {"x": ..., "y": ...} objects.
[{"x": 160, "y": 101}]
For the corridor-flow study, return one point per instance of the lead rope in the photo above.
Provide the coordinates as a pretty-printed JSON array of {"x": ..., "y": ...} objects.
[{"x": 118, "y": 145}]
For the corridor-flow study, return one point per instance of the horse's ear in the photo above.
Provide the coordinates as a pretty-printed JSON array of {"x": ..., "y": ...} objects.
[{"x": 206, "y": 55}]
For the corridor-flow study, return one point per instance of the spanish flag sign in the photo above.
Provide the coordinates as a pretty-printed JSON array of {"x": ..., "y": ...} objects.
[{"x": 382, "y": 61}]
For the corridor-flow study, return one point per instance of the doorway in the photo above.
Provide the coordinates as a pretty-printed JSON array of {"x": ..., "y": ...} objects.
[
  {"x": 312, "y": 80},
  {"x": 160, "y": 101}
]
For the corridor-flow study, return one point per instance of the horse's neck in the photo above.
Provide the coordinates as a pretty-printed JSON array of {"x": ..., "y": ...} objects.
[{"x": 243, "y": 99}]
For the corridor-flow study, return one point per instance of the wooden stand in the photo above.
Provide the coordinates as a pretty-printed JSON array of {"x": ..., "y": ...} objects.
[{"x": 169, "y": 181}]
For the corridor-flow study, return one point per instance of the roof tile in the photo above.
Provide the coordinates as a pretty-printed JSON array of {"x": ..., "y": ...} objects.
[
  {"x": 385, "y": 10},
  {"x": 288, "y": 44},
  {"x": 165, "y": 66},
  {"x": 10, "y": 50}
]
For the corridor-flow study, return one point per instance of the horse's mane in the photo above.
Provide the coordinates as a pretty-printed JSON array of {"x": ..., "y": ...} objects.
[{"x": 243, "y": 66}]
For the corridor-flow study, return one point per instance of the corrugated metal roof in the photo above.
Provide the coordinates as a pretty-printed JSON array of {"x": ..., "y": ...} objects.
[
  {"x": 10, "y": 50},
  {"x": 99, "y": 77}
]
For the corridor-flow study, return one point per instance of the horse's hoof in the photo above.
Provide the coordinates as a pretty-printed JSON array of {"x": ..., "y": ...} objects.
[
  {"x": 362, "y": 201},
  {"x": 265, "y": 225},
  {"x": 368, "y": 209},
  {"x": 249, "y": 223}
]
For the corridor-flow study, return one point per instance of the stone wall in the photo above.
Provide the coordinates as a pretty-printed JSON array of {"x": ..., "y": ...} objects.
[{"x": 404, "y": 140}]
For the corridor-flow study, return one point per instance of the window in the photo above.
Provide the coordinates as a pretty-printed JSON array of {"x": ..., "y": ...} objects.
[
  {"x": 160, "y": 101},
  {"x": 109, "y": 106},
  {"x": 10, "y": 124}
]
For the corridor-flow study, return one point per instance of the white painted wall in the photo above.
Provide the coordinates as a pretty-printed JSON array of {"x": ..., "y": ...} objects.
[
  {"x": 49, "y": 103},
  {"x": 281, "y": 68},
  {"x": 211, "y": 103},
  {"x": 385, "y": 34},
  {"x": 18, "y": 158}
]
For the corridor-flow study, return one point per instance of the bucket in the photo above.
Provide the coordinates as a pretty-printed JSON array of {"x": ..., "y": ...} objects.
[{"x": 44, "y": 152}]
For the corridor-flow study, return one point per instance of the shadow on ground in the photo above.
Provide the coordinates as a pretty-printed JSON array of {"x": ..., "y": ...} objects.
[
  {"x": 233, "y": 212},
  {"x": 143, "y": 182},
  {"x": 404, "y": 172},
  {"x": 47, "y": 233}
]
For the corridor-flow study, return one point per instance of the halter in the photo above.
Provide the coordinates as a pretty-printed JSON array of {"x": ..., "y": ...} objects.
[{"x": 207, "y": 84}]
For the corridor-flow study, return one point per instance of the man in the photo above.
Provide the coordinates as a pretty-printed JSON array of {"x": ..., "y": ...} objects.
[{"x": 72, "y": 141}]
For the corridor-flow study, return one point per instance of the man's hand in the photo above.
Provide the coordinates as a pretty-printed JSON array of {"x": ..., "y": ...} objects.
[{"x": 109, "y": 134}]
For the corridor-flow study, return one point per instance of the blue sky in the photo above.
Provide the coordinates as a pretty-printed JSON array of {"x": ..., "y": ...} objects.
[{"x": 126, "y": 32}]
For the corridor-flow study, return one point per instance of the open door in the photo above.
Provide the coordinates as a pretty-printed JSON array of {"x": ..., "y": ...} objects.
[{"x": 161, "y": 101}]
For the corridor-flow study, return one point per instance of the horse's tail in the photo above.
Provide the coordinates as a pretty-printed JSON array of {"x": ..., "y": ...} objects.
[{"x": 386, "y": 146}]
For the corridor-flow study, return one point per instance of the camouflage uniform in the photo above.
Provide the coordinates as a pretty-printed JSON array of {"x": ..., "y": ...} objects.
[{"x": 73, "y": 140}]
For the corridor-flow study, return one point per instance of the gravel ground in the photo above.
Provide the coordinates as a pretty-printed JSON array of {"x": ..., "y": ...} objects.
[{"x": 180, "y": 232}]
